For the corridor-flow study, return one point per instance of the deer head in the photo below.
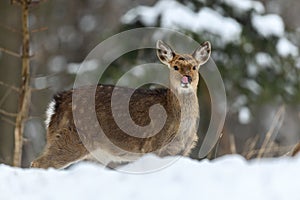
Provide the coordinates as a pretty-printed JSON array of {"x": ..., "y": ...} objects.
[{"x": 184, "y": 68}]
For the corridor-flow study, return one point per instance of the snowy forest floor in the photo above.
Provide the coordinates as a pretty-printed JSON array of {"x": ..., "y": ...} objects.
[{"x": 229, "y": 177}]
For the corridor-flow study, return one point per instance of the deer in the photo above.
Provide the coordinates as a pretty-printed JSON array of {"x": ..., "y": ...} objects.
[{"x": 178, "y": 136}]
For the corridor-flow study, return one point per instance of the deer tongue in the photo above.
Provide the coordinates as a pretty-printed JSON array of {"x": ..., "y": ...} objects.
[{"x": 185, "y": 80}]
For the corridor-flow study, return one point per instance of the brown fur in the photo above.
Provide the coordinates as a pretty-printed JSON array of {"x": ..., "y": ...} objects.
[{"x": 178, "y": 135}]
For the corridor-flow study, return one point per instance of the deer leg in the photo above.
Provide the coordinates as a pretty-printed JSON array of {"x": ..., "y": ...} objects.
[{"x": 62, "y": 150}]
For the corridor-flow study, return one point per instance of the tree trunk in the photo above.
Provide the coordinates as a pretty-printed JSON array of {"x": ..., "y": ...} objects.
[{"x": 25, "y": 91}]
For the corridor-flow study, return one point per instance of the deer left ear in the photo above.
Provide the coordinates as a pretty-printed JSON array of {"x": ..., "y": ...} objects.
[{"x": 202, "y": 53}]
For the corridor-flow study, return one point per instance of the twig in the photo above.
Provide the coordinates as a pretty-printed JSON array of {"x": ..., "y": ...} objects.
[
  {"x": 11, "y": 29},
  {"x": 39, "y": 29},
  {"x": 275, "y": 126},
  {"x": 8, "y": 114},
  {"x": 36, "y": 89},
  {"x": 40, "y": 117},
  {"x": 9, "y": 52},
  {"x": 10, "y": 86},
  {"x": 8, "y": 121},
  {"x": 5, "y": 96},
  {"x": 17, "y": 2}
]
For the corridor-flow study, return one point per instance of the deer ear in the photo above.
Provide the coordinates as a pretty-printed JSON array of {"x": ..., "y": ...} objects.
[
  {"x": 202, "y": 53},
  {"x": 164, "y": 52}
]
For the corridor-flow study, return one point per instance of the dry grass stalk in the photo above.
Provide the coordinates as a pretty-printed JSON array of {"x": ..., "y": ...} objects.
[
  {"x": 273, "y": 131},
  {"x": 296, "y": 149},
  {"x": 249, "y": 153},
  {"x": 232, "y": 144},
  {"x": 270, "y": 151}
]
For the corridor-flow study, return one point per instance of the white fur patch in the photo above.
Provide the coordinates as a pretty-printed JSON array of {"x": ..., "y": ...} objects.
[
  {"x": 49, "y": 112},
  {"x": 182, "y": 90},
  {"x": 105, "y": 157}
]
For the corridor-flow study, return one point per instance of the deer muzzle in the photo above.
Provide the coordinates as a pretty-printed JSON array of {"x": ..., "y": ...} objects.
[{"x": 185, "y": 81}]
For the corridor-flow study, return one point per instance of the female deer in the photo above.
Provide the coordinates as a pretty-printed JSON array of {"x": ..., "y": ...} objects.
[{"x": 178, "y": 135}]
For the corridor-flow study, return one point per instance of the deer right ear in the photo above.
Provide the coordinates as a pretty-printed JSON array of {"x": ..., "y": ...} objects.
[{"x": 164, "y": 52}]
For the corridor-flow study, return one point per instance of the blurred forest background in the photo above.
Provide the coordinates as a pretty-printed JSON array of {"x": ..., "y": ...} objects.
[{"x": 255, "y": 46}]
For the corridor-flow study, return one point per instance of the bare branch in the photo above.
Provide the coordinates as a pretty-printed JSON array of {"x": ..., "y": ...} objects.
[
  {"x": 5, "y": 96},
  {"x": 36, "y": 89},
  {"x": 9, "y": 114},
  {"x": 35, "y": 117},
  {"x": 15, "y": 2},
  {"x": 7, "y": 121},
  {"x": 11, "y": 29},
  {"x": 39, "y": 29},
  {"x": 10, "y": 86},
  {"x": 41, "y": 1},
  {"x": 10, "y": 52}
]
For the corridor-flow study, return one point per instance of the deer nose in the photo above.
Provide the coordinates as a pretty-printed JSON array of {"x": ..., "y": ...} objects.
[{"x": 186, "y": 79}]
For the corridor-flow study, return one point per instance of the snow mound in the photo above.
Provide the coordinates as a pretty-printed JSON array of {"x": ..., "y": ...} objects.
[{"x": 229, "y": 177}]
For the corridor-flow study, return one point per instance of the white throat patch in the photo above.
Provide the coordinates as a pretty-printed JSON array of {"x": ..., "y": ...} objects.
[{"x": 49, "y": 112}]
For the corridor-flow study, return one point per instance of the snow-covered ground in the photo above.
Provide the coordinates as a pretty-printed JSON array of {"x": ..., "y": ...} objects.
[{"x": 229, "y": 177}]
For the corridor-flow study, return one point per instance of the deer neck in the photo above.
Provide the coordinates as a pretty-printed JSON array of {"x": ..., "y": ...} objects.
[{"x": 184, "y": 102}]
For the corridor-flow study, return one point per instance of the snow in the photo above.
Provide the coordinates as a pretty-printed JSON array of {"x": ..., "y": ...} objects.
[
  {"x": 285, "y": 48},
  {"x": 239, "y": 102},
  {"x": 229, "y": 177},
  {"x": 244, "y": 115},
  {"x": 298, "y": 63},
  {"x": 178, "y": 16},
  {"x": 263, "y": 59},
  {"x": 88, "y": 23},
  {"x": 252, "y": 70},
  {"x": 57, "y": 63},
  {"x": 245, "y": 5},
  {"x": 87, "y": 66},
  {"x": 268, "y": 25},
  {"x": 252, "y": 85},
  {"x": 175, "y": 15},
  {"x": 227, "y": 28}
]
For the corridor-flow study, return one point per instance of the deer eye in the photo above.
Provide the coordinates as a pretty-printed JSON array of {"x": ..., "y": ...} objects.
[
  {"x": 194, "y": 68},
  {"x": 176, "y": 68}
]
